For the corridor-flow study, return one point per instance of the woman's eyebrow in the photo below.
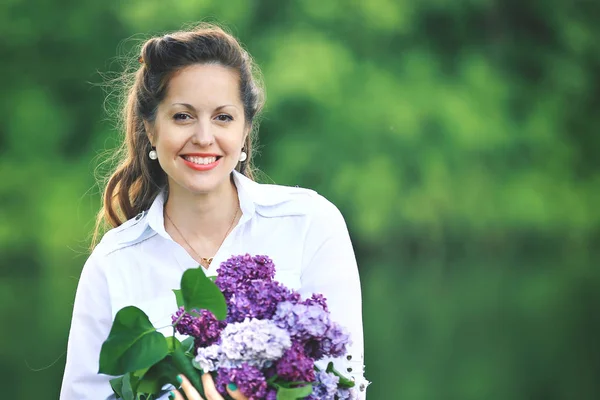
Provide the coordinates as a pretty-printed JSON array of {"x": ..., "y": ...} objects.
[
  {"x": 226, "y": 105},
  {"x": 191, "y": 107},
  {"x": 188, "y": 106}
]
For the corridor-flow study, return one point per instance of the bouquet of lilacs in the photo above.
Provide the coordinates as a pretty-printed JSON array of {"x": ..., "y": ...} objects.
[{"x": 242, "y": 327}]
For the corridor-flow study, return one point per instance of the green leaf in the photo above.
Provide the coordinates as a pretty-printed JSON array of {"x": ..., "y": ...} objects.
[
  {"x": 127, "y": 388},
  {"x": 158, "y": 375},
  {"x": 172, "y": 343},
  {"x": 343, "y": 382},
  {"x": 117, "y": 386},
  {"x": 199, "y": 292},
  {"x": 184, "y": 365},
  {"x": 124, "y": 386},
  {"x": 166, "y": 371},
  {"x": 293, "y": 384},
  {"x": 132, "y": 344},
  {"x": 178, "y": 297},
  {"x": 188, "y": 344},
  {"x": 140, "y": 372},
  {"x": 293, "y": 393}
]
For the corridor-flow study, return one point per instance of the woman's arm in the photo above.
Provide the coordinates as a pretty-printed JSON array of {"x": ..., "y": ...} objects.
[
  {"x": 92, "y": 319},
  {"x": 329, "y": 268}
]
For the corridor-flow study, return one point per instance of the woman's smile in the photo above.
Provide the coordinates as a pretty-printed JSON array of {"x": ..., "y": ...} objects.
[{"x": 201, "y": 162}]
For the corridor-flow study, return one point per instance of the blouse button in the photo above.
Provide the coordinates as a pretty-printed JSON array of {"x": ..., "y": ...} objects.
[
  {"x": 137, "y": 217},
  {"x": 362, "y": 387},
  {"x": 349, "y": 369},
  {"x": 349, "y": 357}
]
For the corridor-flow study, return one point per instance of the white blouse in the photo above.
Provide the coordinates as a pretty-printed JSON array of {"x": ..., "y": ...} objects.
[{"x": 139, "y": 264}]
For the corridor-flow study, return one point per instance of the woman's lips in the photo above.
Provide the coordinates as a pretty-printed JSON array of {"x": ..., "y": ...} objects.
[{"x": 201, "y": 163}]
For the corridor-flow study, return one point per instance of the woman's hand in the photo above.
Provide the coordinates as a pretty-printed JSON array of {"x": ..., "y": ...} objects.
[{"x": 209, "y": 390}]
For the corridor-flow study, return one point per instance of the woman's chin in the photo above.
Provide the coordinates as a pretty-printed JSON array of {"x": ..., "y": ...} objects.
[{"x": 204, "y": 188}]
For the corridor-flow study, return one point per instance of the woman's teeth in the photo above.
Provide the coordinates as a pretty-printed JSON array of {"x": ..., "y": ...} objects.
[{"x": 201, "y": 160}]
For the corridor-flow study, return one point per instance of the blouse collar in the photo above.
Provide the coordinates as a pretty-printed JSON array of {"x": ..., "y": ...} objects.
[{"x": 252, "y": 195}]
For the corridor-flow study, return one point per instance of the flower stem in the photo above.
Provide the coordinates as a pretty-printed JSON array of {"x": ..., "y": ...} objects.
[{"x": 174, "y": 323}]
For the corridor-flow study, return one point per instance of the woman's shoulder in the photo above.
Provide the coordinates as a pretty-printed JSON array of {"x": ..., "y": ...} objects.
[
  {"x": 279, "y": 200},
  {"x": 122, "y": 236}
]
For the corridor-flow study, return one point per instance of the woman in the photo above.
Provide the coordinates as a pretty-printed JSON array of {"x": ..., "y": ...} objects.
[{"x": 184, "y": 195}]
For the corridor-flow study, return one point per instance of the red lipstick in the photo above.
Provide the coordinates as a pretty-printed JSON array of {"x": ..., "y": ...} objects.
[{"x": 201, "y": 167}]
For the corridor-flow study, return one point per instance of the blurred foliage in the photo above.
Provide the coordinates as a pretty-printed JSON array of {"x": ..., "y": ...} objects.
[{"x": 459, "y": 139}]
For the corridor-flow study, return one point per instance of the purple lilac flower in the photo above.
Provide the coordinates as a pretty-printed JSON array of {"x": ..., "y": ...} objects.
[
  {"x": 295, "y": 365},
  {"x": 318, "y": 300},
  {"x": 233, "y": 273},
  {"x": 312, "y": 326},
  {"x": 253, "y": 341},
  {"x": 304, "y": 322},
  {"x": 332, "y": 345},
  {"x": 258, "y": 299},
  {"x": 203, "y": 326},
  {"x": 325, "y": 386},
  {"x": 271, "y": 394},
  {"x": 301, "y": 331},
  {"x": 250, "y": 381}
]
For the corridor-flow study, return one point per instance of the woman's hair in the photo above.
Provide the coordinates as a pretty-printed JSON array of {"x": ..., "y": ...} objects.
[{"x": 137, "y": 180}]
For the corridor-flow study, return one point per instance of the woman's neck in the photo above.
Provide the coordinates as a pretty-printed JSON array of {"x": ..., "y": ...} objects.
[{"x": 202, "y": 216}]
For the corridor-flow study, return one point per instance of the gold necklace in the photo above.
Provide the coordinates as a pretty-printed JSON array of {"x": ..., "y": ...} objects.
[{"x": 206, "y": 260}]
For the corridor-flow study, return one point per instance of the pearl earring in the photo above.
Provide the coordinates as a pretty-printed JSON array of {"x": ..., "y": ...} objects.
[
  {"x": 152, "y": 154},
  {"x": 243, "y": 156}
]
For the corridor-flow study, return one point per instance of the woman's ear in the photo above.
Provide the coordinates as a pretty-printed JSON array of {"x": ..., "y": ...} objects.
[
  {"x": 247, "y": 131},
  {"x": 148, "y": 129}
]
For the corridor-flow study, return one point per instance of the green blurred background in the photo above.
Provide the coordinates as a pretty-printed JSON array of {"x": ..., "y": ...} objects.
[{"x": 459, "y": 139}]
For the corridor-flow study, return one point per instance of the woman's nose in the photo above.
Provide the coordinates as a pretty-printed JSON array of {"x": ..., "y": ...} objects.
[{"x": 203, "y": 135}]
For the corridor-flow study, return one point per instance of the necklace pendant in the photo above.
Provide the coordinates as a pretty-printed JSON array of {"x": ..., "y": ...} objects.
[{"x": 205, "y": 261}]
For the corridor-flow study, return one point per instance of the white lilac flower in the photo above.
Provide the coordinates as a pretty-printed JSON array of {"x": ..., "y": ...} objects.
[
  {"x": 208, "y": 358},
  {"x": 255, "y": 342}
]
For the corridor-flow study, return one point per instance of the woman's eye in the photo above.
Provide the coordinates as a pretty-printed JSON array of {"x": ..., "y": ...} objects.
[
  {"x": 181, "y": 117},
  {"x": 224, "y": 118}
]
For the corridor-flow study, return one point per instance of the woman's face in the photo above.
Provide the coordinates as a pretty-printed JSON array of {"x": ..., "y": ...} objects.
[{"x": 199, "y": 129}]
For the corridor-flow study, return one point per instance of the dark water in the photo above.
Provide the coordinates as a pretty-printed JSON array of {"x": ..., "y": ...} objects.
[{"x": 518, "y": 328}]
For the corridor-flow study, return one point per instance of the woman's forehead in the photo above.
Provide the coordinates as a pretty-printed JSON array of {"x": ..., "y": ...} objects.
[{"x": 204, "y": 84}]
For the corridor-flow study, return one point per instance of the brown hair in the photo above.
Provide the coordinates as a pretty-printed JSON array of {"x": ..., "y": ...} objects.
[{"x": 136, "y": 181}]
